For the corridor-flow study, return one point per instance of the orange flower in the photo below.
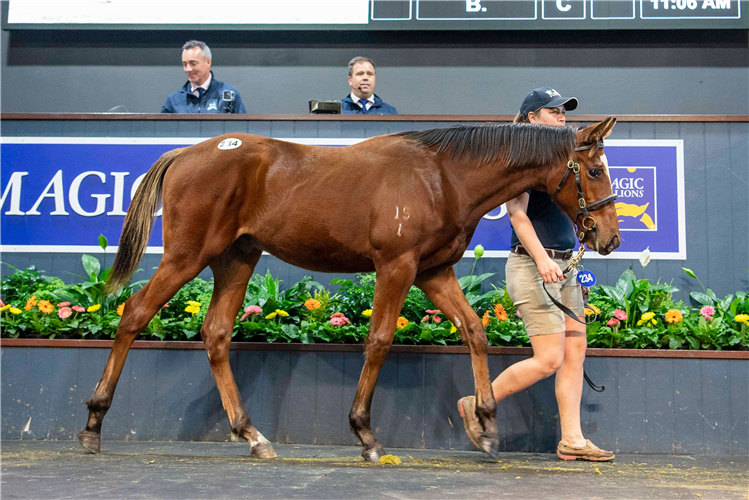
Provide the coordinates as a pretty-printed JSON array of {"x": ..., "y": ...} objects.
[
  {"x": 500, "y": 313},
  {"x": 312, "y": 304},
  {"x": 485, "y": 319},
  {"x": 673, "y": 316},
  {"x": 120, "y": 309},
  {"x": 45, "y": 306},
  {"x": 30, "y": 303},
  {"x": 402, "y": 322}
]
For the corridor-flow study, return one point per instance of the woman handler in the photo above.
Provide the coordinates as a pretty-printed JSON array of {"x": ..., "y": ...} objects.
[{"x": 542, "y": 241}]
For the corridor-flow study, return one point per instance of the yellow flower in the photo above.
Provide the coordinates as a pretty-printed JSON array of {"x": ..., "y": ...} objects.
[
  {"x": 312, "y": 304},
  {"x": 15, "y": 310},
  {"x": 673, "y": 316},
  {"x": 45, "y": 306},
  {"x": 93, "y": 308},
  {"x": 30, "y": 303},
  {"x": 742, "y": 318},
  {"x": 5, "y": 308},
  {"x": 120, "y": 309},
  {"x": 453, "y": 329},
  {"x": 281, "y": 313},
  {"x": 367, "y": 313},
  {"x": 500, "y": 312},
  {"x": 485, "y": 319},
  {"x": 648, "y": 316},
  {"x": 271, "y": 315},
  {"x": 192, "y": 308},
  {"x": 193, "y": 303},
  {"x": 590, "y": 310},
  {"x": 402, "y": 322}
]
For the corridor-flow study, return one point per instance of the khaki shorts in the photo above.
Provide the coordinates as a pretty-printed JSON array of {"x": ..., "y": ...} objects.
[{"x": 540, "y": 315}]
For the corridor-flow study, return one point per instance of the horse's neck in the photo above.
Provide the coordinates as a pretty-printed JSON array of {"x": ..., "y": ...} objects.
[{"x": 490, "y": 185}]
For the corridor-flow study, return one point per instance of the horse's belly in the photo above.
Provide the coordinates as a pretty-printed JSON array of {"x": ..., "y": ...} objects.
[{"x": 324, "y": 260}]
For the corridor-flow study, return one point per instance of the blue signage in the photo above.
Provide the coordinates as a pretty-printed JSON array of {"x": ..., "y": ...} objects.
[{"x": 59, "y": 194}]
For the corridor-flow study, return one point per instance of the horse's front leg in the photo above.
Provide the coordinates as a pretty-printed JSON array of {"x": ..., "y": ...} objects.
[
  {"x": 394, "y": 278},
  {"x": 443, "y": 289}
]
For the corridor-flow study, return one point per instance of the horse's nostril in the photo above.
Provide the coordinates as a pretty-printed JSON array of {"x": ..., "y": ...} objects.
[{"x": 613, "y": 244}]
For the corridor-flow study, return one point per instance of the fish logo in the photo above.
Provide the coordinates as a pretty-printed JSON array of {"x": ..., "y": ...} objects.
[{"x": 631, "y": 210}]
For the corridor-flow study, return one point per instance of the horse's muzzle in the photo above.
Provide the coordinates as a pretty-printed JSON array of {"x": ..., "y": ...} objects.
[{"x": 612, "y": 245}]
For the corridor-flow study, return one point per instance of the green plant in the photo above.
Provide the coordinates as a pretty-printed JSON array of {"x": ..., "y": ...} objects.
[{"x": 22, "y": 284}]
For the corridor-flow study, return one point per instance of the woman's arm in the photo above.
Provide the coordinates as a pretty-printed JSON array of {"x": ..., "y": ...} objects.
[{"x": 517, "y": 208}]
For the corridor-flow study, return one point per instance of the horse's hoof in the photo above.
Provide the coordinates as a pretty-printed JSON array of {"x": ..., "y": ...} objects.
[
  {"x": 91, "y": 441},
  {"x": 490, "y": 446},
  {"x": 263, "y": 450},
  {"x": 373, "y": 454}
]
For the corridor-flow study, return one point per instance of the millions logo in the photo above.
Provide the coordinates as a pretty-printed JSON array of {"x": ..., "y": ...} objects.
[{"x": 637, "y": 203}]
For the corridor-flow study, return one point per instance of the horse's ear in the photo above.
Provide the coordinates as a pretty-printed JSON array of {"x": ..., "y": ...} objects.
[
  {"x": 597, "y": 131},
  {"x": 608, "y": 126}
]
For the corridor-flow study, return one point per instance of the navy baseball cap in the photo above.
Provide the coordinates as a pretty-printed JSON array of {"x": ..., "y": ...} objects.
[{"x": 546, "y": 97}]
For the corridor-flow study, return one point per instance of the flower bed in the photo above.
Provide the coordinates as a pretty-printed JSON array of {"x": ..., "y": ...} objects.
[{"x": 631, "y": 314}]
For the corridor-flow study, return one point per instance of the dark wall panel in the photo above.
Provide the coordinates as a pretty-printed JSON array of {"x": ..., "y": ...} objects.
[
  {"x": 649, "y": 405},
  {"x": 661, "y": 72}
]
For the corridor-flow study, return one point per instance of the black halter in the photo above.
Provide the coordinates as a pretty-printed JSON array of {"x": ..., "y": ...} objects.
[{"x": 588, "y": 223}]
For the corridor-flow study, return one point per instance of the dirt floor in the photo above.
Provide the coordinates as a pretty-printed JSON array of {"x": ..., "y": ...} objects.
[{"x": 57, "y": 469}]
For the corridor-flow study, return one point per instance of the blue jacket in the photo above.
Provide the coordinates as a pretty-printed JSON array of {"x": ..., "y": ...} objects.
[
  {"x": 184, "y": 101},
  {"x": 349, "y": 107}
]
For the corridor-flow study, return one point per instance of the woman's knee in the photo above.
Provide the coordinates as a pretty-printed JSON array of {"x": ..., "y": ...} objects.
[{"x": 550, "y": 362}]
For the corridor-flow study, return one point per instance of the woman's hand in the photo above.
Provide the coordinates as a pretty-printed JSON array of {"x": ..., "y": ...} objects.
[{"x": 549, "y": 270}]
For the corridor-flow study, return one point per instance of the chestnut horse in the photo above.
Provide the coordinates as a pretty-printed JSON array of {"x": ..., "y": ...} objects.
[{"x": 404, "y": 205}]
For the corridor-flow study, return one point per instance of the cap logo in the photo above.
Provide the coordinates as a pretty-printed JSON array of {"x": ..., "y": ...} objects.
[{"x": 553, "y": 93}]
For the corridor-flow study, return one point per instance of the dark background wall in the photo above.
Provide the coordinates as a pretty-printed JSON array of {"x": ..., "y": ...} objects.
[{"x": 481, "y": 72}]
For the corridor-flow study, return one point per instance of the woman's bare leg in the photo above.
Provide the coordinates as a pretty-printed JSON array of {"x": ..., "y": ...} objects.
[{"x": 548, "y": 356}]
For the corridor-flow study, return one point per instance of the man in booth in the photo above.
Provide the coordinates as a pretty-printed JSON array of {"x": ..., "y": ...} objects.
[
  {"x": 202, "y": 93},
  {"x": 362, "y": 99}
]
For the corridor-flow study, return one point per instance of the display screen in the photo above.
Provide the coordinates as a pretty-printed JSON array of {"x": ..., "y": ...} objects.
[{"x": 377, "y": 14}]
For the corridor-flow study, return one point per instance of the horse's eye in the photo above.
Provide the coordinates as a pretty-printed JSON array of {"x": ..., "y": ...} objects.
[{"x": 594, "y": 172}]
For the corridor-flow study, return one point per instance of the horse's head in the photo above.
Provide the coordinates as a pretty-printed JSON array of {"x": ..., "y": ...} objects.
[{"x": 584, "y": 190}]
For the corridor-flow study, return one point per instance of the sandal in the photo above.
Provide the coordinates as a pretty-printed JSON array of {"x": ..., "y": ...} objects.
[
  {"x": 467, "y": 410},
  {"x": 588, "y": 452}
]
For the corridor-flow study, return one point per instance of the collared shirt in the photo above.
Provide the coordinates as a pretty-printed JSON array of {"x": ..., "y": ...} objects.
[
  {"x": 206, "y": 84},
  {"x": 367, "y": 102}
]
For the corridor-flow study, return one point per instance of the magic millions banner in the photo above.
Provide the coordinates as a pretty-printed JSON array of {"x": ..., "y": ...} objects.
[{"x": 59, "y": 194}]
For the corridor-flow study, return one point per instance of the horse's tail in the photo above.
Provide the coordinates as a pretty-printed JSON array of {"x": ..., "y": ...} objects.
[{"x": 138, "y": 223}]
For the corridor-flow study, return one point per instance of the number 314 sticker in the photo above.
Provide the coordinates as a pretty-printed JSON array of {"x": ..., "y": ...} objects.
[{"x": 229, "y": 144}]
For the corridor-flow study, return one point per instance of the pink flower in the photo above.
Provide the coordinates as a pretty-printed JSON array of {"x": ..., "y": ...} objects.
[
  {"x": 433, "y": 311},
  {"x": 620, "y": 315},
  {"x": 517, "y": 313},
  {"x": 425, "y": 319},
  {"x": 436, "y": 319},
  {"x": 63, "y": 304},
  {"x": 250, "y": 310},
  {"x": 613, "y": 322},
  {"x": 339, "y": 319},
  {"x": 708, "y": 312},
  {"x": 79, "y": 309},
  {"x": 65, "y": 312}
]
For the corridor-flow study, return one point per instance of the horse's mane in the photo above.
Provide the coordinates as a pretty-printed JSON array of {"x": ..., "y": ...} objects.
[{"x": 515, "y": 144}]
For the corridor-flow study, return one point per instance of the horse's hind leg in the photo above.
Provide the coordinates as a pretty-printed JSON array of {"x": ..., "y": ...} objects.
[
  {"x": 393, "y": 281},
  {"x": 231, "y": 271},
  {"x": 442, "y": 288},
  {"x": 139, "y": 309}
]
